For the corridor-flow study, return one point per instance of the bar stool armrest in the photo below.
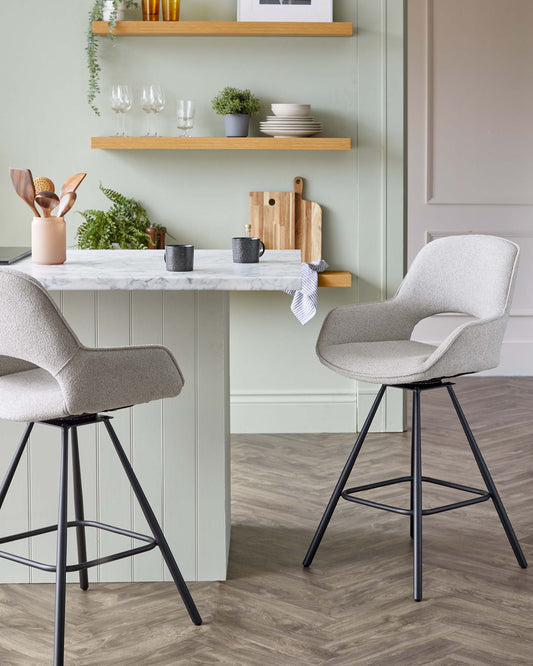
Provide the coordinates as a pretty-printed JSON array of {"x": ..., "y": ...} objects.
[
  {"x": 369, "y": 322},
  {"x": 103, "y": 379}
]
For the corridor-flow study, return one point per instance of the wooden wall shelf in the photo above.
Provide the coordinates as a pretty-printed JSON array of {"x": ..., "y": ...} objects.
[
  {"x": 223, "y": 29},
  {"x": 215, "y": 143},
  {"x": 335, "y": 279}
]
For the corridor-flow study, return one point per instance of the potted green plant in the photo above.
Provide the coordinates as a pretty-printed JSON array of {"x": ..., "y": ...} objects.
[
  {"x": 236, "y": 106},
  {"x": 157, "y": 233},
  {"x": 114, "y": 9},
  {"x": 124, "y": 224}
]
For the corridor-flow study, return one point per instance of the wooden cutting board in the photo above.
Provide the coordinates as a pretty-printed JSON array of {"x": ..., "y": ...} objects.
[
  {"x": 272, "y": 216},
  {"x": 286, "y": 221}
]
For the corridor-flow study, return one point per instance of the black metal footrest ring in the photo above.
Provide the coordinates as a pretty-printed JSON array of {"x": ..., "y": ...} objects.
[
  {"x": 482, "y": 495},
  {"x": 149, "y": 541}
]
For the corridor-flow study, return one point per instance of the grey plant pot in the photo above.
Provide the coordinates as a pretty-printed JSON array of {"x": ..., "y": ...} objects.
[{"x": 237, "y": 124}]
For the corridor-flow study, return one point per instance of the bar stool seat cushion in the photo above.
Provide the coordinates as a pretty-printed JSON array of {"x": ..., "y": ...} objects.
[
  {"x": 46, "y": 373},
  {"x": 33, "y": 392},
  {"x": 384, "y": 361}
]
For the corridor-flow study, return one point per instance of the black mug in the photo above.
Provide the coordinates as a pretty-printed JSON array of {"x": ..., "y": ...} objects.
[
  {"x": 179, "y": 257},
  {"x": 247, "y": 250}
]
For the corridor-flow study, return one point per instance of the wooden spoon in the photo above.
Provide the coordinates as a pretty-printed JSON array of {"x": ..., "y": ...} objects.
[
  {"x": 67, "y": 201},
  {"x": 24, "y": 187},
  {"x": 47, "y": 201},
  {"x": 71, "y": 184}
]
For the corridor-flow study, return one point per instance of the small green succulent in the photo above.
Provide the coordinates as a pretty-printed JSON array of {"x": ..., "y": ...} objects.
[{"x": 233, "y": 100}]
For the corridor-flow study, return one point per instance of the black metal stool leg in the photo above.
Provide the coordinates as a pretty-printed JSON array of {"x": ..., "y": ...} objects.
[
  {"x": 412, "y": 479},
  {"x": 78, "y": 508},
  {"x": 61, "y": 563},
  {"x": 416, "y": 484},
  {"x": 487, "y": 478},
  {"x": 341, "y": 483},
  {"x": 155, "y": 527},
  {"x": 6, "y": 483}
]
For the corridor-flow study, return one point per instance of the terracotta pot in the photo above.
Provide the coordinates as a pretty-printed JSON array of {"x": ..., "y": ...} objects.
[
  {"x": 48, "y": 240},
  {"x": 152, "y": 232}
]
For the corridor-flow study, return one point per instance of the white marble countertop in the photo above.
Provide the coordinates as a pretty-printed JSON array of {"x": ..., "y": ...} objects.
[{"x": 132, "y": 270}]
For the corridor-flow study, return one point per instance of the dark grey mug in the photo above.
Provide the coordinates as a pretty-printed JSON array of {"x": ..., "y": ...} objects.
[
  {"x": 247, "y": 250},
  {"x": 179, "y": 257}
]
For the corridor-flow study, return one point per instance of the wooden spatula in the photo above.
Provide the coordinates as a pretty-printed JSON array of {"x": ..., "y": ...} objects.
[
  {"x": 67, "y": 201},
  {"x": 71, "y": 184},
  {"x": 24, "y": 187},
  {"x": 47, "y": 201}
]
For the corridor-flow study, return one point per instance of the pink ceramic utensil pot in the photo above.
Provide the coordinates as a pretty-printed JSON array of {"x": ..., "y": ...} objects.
[{"x": 48, "y": 240}]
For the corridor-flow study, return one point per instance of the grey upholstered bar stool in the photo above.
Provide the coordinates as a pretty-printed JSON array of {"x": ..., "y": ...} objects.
[
  {"x": 470, "y": 274},
  {"x": 48, "y": 376}
]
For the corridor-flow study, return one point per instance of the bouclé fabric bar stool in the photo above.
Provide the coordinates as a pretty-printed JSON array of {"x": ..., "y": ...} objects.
[
  {"x": 473, "y": 275},
  {"x": 48, "y": 377}
]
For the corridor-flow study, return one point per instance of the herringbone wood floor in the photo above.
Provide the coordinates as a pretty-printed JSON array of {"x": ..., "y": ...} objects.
[{"x": 354, "y": 605}]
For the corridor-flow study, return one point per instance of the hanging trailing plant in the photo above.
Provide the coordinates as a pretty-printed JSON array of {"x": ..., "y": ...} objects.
[{"x": 97, "y": 14}]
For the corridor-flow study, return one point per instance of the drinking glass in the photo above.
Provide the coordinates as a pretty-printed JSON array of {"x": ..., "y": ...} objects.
[
  {"x": 150, "y": 10},
  {"x": 171, "y": 10},
  {"x": 121, "y": 101},
  {"x": 146, "y": 106},
  {"x": 157, "y": 97},
  {"x": 185, "y": 116}
]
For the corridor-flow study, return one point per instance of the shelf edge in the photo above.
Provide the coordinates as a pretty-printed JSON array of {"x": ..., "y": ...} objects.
[
  {"x": 219, "y": 143},
  {"x": 335, "y": 279},
  {"x": 224, "y": 28}
]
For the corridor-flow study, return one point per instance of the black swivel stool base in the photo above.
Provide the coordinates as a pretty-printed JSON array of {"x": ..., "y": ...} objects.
[
  {"x": 70, "y": 425},
  {"x": 416, "y": 480}
]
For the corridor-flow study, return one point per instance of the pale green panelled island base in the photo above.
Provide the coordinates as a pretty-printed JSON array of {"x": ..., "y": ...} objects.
[{"x": 179, "y": 447}]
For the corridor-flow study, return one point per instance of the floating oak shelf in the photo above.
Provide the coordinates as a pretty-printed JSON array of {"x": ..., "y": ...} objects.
[
  {"x": 215, "y": 143},
  {"x": 223, "y": 29},
  {"x": 335, "y": 279}
]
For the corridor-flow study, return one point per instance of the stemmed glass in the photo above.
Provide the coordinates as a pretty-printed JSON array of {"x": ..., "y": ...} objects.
[
  {"x": 146, "y": 106},
  {"x": 157, "y": 96},
  {"x": 152, "y": 101},
  {"x": 185, "y": 117},
  {"x": 121, "y": 101}
]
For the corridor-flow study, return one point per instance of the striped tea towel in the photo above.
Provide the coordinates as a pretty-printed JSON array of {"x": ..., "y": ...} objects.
[{"x": 305, "y": 299}]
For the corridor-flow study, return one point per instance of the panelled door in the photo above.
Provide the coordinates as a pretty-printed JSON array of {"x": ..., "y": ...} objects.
[{"x": 470, "y": 142}]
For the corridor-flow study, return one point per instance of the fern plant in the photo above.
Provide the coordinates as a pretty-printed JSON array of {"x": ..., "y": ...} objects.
[
  {"x": 125, "y": 223},
  {"x": 97, "y": 14}
]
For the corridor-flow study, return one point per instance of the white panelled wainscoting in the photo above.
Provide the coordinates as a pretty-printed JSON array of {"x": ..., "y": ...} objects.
[{"x": 172, "y": 457}]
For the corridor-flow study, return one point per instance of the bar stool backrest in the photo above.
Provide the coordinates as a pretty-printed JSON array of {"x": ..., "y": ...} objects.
[
  {"x": 33, "y": 332},
  {"x": 471, "y": 274}
]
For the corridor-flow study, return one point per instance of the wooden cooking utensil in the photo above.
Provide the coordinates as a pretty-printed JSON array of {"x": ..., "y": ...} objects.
[
  {"x": 67, "y": 201},
  {"x": 285, "y": 221},
  {"x": 43, "y": 185},
  {"x": 47, "y": 201},
  {"x": 24, "y": 187},
  {"x": 71, "y": 184}
]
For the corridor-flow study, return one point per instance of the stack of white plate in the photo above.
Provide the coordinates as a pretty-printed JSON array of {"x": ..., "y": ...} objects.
[{"x": 290, "y": 120}]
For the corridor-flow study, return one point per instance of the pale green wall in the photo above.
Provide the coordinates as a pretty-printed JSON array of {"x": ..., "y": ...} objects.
[{"x": 356, "y": 88}]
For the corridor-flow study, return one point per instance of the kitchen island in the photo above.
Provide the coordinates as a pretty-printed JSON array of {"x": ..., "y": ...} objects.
[{"x": 179, "y": 447}]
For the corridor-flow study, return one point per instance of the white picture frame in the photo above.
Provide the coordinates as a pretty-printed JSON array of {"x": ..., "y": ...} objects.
[{"x": 319, "y": 11}]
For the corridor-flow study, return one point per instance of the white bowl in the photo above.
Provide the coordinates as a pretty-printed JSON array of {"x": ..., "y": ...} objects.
[{"x": 291, "y": 109}]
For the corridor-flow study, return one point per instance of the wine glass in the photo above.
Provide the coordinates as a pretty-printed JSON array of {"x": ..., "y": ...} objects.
[
  {"x": 121, "y": 101},
  {"x": 158, "y": 101},
  {"x": 146, "y": 106},
  {"x": 185, "y": 117}
]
